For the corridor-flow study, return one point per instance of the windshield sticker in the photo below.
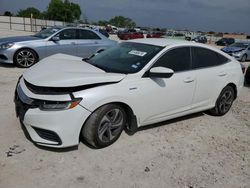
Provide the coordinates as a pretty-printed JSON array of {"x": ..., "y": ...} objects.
[
  {"x": 138, "y": 53},
  {"x": 134, "y": 66}
]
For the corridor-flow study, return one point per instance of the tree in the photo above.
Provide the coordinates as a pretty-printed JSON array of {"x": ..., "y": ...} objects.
[
  {"x": 27, "y": 13},
  {"x": 120, "y": 21},
  {"x": 7, "y": 13},
  {"x": 102, "y": 22},
  {"x": 63, "y": 11}
]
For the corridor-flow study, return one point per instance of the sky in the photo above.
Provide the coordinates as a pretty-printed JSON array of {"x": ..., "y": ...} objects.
[{"x": 196, "y": 15}]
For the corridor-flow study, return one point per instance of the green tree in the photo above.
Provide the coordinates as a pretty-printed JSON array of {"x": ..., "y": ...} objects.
[
  {"x": 63, "y": 11},
  {"x": 120, "y": 21},
  {"x": 7, "y": 13},
  {"x": 102, "y": 22},
  {"x": 27, "y": 12}
]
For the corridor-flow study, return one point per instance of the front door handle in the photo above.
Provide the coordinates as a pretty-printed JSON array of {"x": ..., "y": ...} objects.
[
  {"x": 73, "y": 43},
  {"x": 222, "y": 73},
  {"x": 189, "y": 80}
]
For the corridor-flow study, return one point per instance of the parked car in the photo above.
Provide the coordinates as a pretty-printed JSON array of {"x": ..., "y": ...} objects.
[
  {"x": 239, "y": 50},
  {"x": 247, "y": 75},
  {"x": 129, "y": 34},
  {"x": 25, "y": 51},
  {"x": 102, "y": 31},
  {"x": 133, "y": 84},
  {"x": 200, "y": 39},
  {"x": 155, "y": 34},
  {"x": 225, "y": 41}
]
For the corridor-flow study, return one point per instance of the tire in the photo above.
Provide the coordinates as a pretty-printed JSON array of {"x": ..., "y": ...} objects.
[
  {"x": 25, "y": 58},
  {"x": 104, "y": 126},
  {"x": 244, "y": 58},
  {"x": 224, "y": 102}
]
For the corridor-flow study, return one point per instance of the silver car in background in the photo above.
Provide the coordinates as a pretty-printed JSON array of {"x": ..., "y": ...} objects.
[
  {"x": 24, "y": 51},
  {"x": 239, "y": 50}
]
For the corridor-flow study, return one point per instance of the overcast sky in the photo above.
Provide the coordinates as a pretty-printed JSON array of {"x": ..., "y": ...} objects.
[{"x": 205, "y": 15}]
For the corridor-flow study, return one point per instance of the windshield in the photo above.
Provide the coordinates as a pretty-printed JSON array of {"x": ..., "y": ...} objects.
[
  {"x": 46, "y": 32},
  {"x": 125, "y": 58},
  {"x": 240, "y": 45}
]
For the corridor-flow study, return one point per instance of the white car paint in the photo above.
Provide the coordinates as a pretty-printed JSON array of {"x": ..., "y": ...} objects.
[{"x": 151, "y": 99}]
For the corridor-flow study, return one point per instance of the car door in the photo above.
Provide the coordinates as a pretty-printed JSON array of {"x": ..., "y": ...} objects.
[
  {"x": 88, "y": 43},
  {"x": 66, "y": 43},
  {"x": 211, "y": 74},
  {"x": 163, "y": 97}
]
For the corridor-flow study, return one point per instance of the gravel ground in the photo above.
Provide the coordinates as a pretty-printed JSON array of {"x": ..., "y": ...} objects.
[{"x": 194, "y": 151}]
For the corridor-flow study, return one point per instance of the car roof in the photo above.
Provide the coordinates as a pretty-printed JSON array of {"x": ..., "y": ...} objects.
[{"x": 163, "y": 42}]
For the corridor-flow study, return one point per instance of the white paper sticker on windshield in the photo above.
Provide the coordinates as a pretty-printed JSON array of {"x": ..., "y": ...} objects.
[{"x": 138, "y": 53}]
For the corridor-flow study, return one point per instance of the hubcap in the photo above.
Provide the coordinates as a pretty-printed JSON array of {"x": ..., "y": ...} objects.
[
  {"x": 226, "y": 101},
  {"x": 110, "y": 125},
  {"x": 25, "y": 58}
]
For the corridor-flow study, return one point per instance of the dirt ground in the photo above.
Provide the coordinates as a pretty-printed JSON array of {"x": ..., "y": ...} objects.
[{"x": 195, "y": 151}]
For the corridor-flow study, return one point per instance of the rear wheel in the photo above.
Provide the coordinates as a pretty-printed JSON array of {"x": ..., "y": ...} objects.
[
  {"x": 224, "y": 101},
  {"x": 104, "y": 126},
  {"x": 25, "y": 58}
]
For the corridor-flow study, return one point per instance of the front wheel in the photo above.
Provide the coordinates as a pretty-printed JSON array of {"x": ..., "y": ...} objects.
[
  {"x": 104, "y": 126},
  {"x": 224, "y": 102},
  {"x": 25, "y": 58}
]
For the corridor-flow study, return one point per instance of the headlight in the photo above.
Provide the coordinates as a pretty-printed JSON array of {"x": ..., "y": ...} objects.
[
  {"x": 237, "y": 53},
  {"x": 59, "y": 105},
  {"x": 7, "y": 45}
]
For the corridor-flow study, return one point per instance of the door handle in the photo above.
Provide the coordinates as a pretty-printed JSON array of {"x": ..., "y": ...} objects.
[
  {"x": 73, "y": 43},
  {"x": 223, "y": 73},
  {"x": 189, "y": 80}
]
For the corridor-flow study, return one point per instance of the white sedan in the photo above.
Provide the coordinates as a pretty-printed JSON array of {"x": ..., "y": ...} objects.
[{"x": 136, "y": 83}]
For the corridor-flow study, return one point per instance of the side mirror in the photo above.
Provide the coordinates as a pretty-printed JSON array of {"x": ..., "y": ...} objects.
[
  {"x": 55, "y": 38},
  {"x": 160, "y": 72}
]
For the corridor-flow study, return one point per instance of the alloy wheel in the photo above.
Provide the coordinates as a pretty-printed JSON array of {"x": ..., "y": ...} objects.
[
  {"x": 25, "y": 58},
  {"x": 110, "y": 125},
  {"x": 226, "y": 101}
]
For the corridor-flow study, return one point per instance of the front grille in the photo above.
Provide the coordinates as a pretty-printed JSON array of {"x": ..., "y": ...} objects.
[{"x": 48, "y": 135}]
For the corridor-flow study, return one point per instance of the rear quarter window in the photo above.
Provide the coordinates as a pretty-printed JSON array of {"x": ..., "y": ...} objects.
[{"x": 202, "y": 57}]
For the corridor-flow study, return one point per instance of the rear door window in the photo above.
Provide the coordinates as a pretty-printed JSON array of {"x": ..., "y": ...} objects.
[
  {"x": 202, "y": 57},
  {"x": 86, "y": 34}
]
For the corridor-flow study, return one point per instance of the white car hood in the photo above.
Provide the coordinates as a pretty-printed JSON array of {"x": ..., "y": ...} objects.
[{"x": 62, "y": 70}]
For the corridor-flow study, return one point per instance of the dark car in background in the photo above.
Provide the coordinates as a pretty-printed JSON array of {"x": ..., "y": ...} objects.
[
  {"x": 129, "y": 34},
  {"x": 225, "y": 41},
  {"x": 155, "y": 34},
  {"x": 200, "y": 39}
]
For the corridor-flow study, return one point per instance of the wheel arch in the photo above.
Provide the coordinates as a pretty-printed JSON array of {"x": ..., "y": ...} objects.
[
  {"x": 132, "y": 123},
  {"x": 234, "y": 88}
]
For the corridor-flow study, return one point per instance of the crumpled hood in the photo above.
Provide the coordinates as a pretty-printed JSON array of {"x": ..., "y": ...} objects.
[
  {"x": 62, "y": 70},
  {"x": 231, "y": 49},
  {"x": 18, "y": 39}
]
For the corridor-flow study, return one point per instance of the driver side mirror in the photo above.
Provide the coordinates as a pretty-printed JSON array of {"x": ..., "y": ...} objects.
[
  {"x": 160, "y": 72},
  {"x": 55, "y": 38}
]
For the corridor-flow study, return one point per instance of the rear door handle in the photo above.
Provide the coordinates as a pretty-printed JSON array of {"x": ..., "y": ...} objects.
[
  {"x": 223, "y": 73},
  {"x": 73, "y": 43},
  {"x": 189, "y": 80}
]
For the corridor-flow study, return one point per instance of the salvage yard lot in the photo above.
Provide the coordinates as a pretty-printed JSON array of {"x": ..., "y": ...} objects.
[{"x": 195, "y": 151}]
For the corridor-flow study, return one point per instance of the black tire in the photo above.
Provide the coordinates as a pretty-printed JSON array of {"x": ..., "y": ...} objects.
[
  {"x": 25, "y": 58},
  {"x": 104, "y": 126},
  {"x": 224, "y": 102}
]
